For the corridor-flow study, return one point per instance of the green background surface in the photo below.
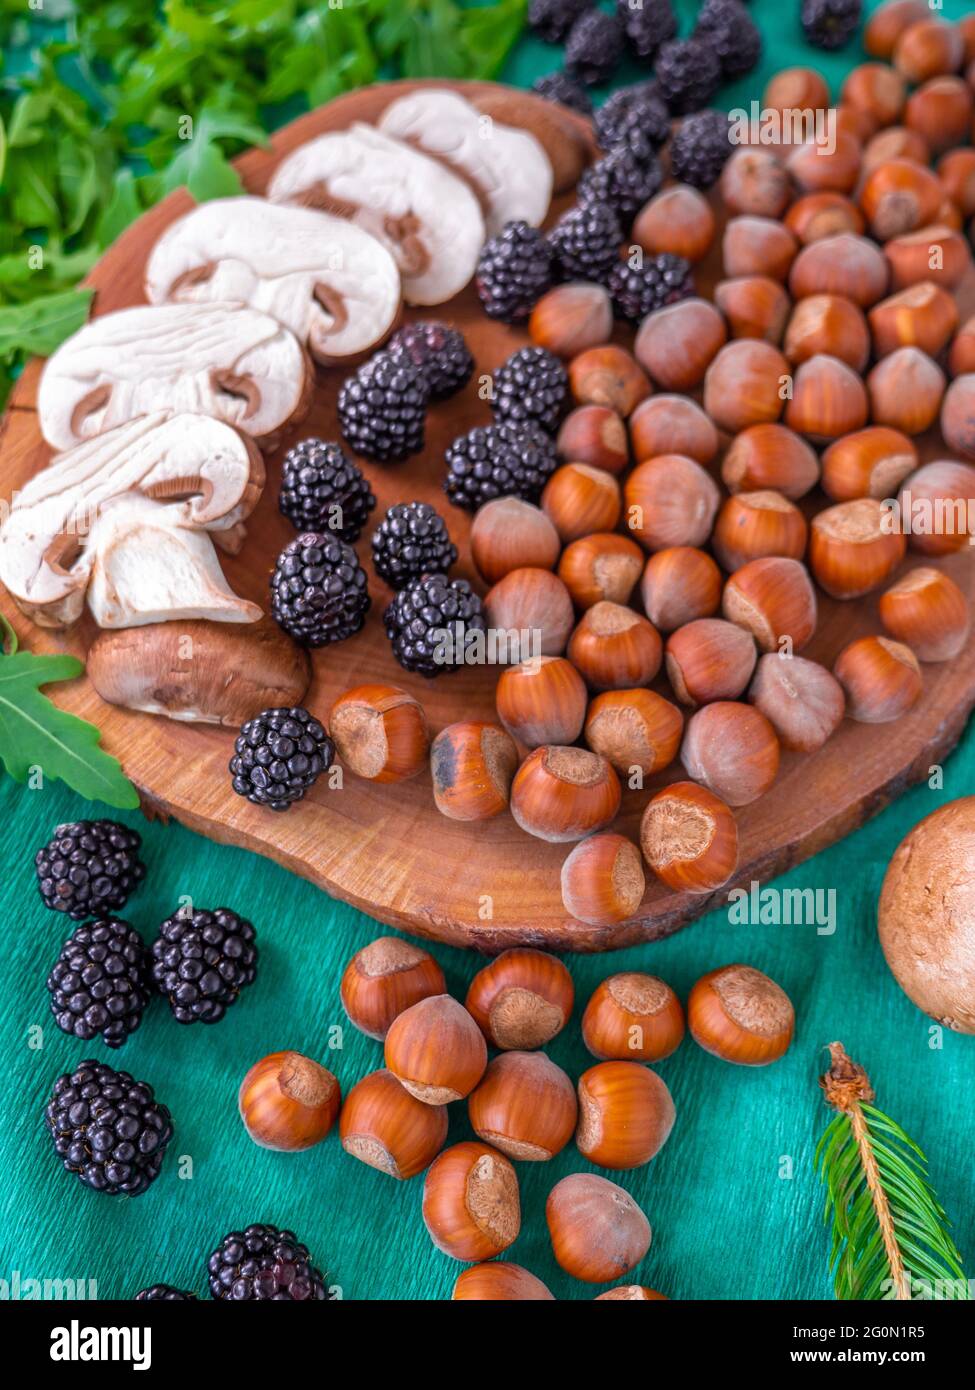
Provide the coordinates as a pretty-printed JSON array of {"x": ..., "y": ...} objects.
[{"x": 734, "y": 1204}]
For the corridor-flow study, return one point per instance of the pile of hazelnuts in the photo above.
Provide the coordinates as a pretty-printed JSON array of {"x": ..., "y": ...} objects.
[{"x": 522, "y": 1108}]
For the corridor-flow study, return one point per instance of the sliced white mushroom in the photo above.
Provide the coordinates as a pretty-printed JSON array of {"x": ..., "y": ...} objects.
[
  {"x": 329, "y": 281},
  {"x": 428, "y": 217},
  {"x": 147, "y": 568},
  {"x": 509, "y": 167},
  {"x": 233, "y": 363}
]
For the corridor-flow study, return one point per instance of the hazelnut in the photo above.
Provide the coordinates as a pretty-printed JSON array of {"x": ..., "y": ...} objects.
[
  {"x": 958, "y": 416},
  {"x": 542, "y": 701},
  {"x": 796, "y": 89},
  {"x": 881, "y": 678},
  {"x": 602, "y": 880},
  {"x": 562, "y": 794},
  {"x": 961, "y": 355},
  {"x": 678, "y": 220},
  {"x": 709, "y": 659},
  {"x": 828, "y": 323},
  {"x": 608, "y": 376},
  {"x": 752, "y": 525},
  {"x": 634, "y": 730},
  {"x": 755, "y": 182},
  {"x": 966, "y": 27},
  {"x": 530, "y": 605},
  {"x": 672, "y": 425},
  {"x": 956, "y": 170},
  {"x": 896, "y": 142},
  {"x": 802, "y": 701},
  {"x": 380, "y": 733},
  {"x": 818, "y": 215},
  {"x": 758, "y": 246},
  {"x": 614, "y": 648},
  {"x": 680, "y": 584},
  {"x": 853, "y": 549},
  {"x": 755, "y": 307},
  {"x": 472, "y": 765},
  {"x": 435, "y": 1050},
  {"x": 941, "y": 112},
  {"x": 770, "y": 458},
  {"x": 288, "y": 1102},
  {"x": 689, "y": 838},
  {"x": 731, "y": 749},
  {"x": 886, "y": 24},
  {"x": 906, "y": 388},
  {"x": 740, "y": 1015},
  {"x": 868, "y": 463},
  {"x": 927, "y": 611},
  {"x": 630, "y": 1293},
  {"x": 939, "y": 254},
  {"x": 848, "y": 265},
  {"x": 936, "y": 506},
  {"x": 499, "y": 1282},
  {"x": 744, "y": 385},
  {"x": 677, "y": 343},
  {"x": 384, "y": 978},
  {"x": 670, "y": 500},
  {"x": 626, "y": 1114},
  {"x": 921, "y": 316},
  {"x": 579, "y": 500},
  {"x": 817, "y": 169},
  {"x": 876, "y": 89},
  {"x": 525, "y": 1106},
  {"x": 928, "y": 48},
  {"x": 773, "y": 599},
  {"x": 522, "y": 999},
  {"x": 598, "y": 1232},
  {"x": 386, "y": 1127},
  {"x": 571, "y": 319},
  {"x": 509, "y": 534},
  {"x": 633, "y": 1017},
  {"x": 856, "y": 122},
  {"x": 899, "y": 196},
  {"x": 470, "y": 1202},
  {"x": 603, "y": 566},
  {"x": 596, "y": 435},
  {"x": 828, "y": 399}
]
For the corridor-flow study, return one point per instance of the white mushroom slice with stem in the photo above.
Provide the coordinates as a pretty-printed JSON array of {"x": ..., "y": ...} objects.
[
  {"x": 509, "y": 167},
  {"x": 223, "y": 360},
  {"x": 428, "y": 217},
  {"x": 208, "y": 475},
  {"x": 329, "y": 281}
]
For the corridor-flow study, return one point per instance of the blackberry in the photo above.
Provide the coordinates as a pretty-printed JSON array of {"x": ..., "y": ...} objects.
[
  {"x": 624, "y": 179},
  {"x": 382, "y": 408},
  {"x": 514, "y": 270},
  {"x": 323, "y": 490},
  {"x": 278, "y": 756},
  {"x": 164, "y": 1293},
  {"x": 530, "y": 388},
  {"x": 90, "y": 867},
  {"x": 830, "y": 24},
  {"x": 634, "y": 115},
  {"x": 436, "y": 350},
  {"x": 201, "y": 960},
  {"x": 647, "y": 26},
  {"x": 411, "y": 540},
  {"x": 263, "y": 1262},
  {"x": 728, "y": 28},
  {"x": 661, "y": 280},
  {"x": 502, "y": 460},
  {"x": 319, "y": 592},
  {"x": 688, "y": 74},
  {"x": 594, "y": 47},
  {"x": 108, "y": 1129},
  {"x": 559, "y": 86},
  {"x": 700, "y": 148},
  {"x": 551, "y": 20},
  {"x": 100, "y": 982},
  {"x": 587, "y": 241},
  {"x": 432, "y": 623}
]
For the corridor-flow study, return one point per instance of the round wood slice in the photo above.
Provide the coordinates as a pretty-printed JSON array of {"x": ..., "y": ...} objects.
[{"x": 387, "y": 849}]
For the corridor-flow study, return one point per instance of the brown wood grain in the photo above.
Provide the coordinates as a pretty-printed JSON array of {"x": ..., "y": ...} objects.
[{"x": 386, "y": 849}]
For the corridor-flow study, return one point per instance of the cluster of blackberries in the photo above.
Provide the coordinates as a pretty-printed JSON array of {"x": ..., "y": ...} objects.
[{"x": 259, "y": 1262}]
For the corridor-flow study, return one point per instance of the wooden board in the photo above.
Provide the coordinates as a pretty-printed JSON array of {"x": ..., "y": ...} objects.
[{"x": 386, "y": 849}]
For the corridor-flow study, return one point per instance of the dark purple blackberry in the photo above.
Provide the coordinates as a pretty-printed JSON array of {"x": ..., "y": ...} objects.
[
  {"x": 100, "y": 982},
  {"x": 587, "y": 241},
  {"x": 514, "y": 271},
  {"x": 89, "y": 868},
  {"x": 688, "y": 74},
  {"x": 322, "y": 490},
  {"x": 436, "y": 350},
  {"x": 319, "y": 592},
  {"x": 623, "y": 179},
  {"x": 164, "y": 1293},
  {"x": 263, "y": 1262},
  {"x": 278, "y": 756},
  {"x": 636, "y": 116},
  {"x": 502, "y": 460},
  {"x": 411, "y": 540},
  {"x": 530, "y": 388},
  {"x": 730, "y": 30},
  {"x": 433, "y": 623},
  {"x": 830, "y": 24},
  {"x": 647, "y": 25},
  {"x": 201, "y": 960},
  {"x": 559, "y": 86},
  {"x": 108, "y": 1129},
  {"x": 382, "y": 408},
  {"x": 661, "y": 280},
  {"x": 551, "y": 20},
  {"x": 700, "y": 148},
  {"x": 594, "y": 47}
]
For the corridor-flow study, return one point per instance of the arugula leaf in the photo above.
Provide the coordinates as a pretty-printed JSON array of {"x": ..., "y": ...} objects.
[{"x": 39, "y": 327}]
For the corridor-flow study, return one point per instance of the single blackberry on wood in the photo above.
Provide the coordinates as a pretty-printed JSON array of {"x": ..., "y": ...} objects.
[
  {"x": 262, "y": 1262},
  {"x": 164, "y": 1293},
  {"x": 700, "y": 149},
  {"x": 688, "y": 74},
  {"x": 587, "y": 241},
  {"x": 108, "y": 1129},
  {"x": 432, "y": 624},
  {"x": 89, "y": 868},
  {"x": 436, "y": 350},
  {"x": 530, "y": 388},
  {"x": 502, "y": 460},
  {"x": 660, "y": 280},
  {"x": 278, "y": 756},
  {"x": 411, "y": 540},
  {"x": 830, "y": 24},
  {"x": 647, "y": 25},
  {"x": 551, "y": 20},
  {"x": 201, "y": 960},
  {"x": 513, "y": 272},
  {"x": 319, "y": 592},
  {"x": 636, "y": 116},
  {"x": 323, "y": 490},
  {"x": 623, "y": 180},
  {"x": 382, "y": 408},
  {"x": 100, "y": 982},
  {"x": 594, "y": 47},
  {"x": 559, "y": 86},
  {"x": 730, "y": 30}
]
